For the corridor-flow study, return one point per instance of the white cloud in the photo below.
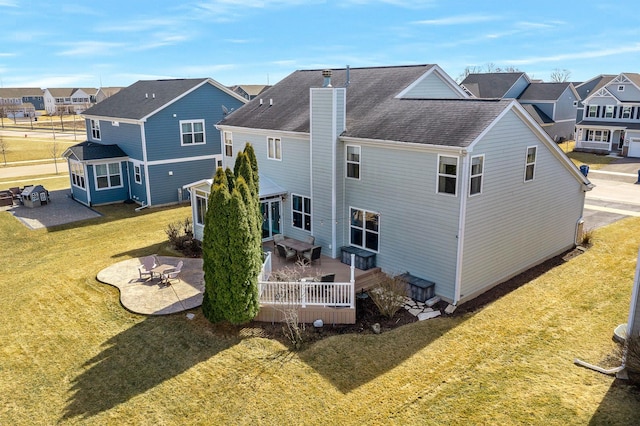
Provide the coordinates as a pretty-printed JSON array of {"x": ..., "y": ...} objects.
[
  {"x": 9, "y": 3},
  {"x": 90, "y": 48},
  {"x": 590, "y": 54},
  {"x": 458, "y": 20}
]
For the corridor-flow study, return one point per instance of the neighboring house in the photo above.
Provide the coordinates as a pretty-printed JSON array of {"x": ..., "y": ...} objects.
[
  {"x": 611, "y": 117},
  {"x": 148, "y": 140},
  {"x": 20, "y": 101},
  {"x": 552, "y": 105},
  {"x": 249, "y": 91},
  {"x": 68, "y": 100},
  {"x": 585, "y": 88},
  {"x": 399, "y": 162},
  {"x": 106, "y": 92}
]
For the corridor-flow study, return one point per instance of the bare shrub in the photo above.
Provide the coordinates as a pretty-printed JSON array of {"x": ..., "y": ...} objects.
[
  {"x": 180, "y": 236},
  {"x": 388, "y": 294},
  {"x": 587, "y": 238},
  {"x": 293, "y": 329}
]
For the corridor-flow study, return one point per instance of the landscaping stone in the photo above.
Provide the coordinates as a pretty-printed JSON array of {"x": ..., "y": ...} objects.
[
  {"x": 428, "y": 315},
  {"x": 450, "y": 309},
  {"x": 376, "y": 328},
  {"x": 432, "y": 301}
]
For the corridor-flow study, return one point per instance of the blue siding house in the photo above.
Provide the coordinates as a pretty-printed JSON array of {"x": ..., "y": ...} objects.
[
  {"x": 400, "y": 163},
  {"x": 148, "y": 140}
]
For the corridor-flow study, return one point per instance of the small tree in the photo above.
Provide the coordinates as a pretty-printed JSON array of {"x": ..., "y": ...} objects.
[
  {"x": 560, "y": 76},
  {"x": 55, "y": 152},
  {"x": 3, "y": 148}
]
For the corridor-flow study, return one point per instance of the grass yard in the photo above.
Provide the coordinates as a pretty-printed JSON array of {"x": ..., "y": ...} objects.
[
  {"x": 595, "y": 161},
  {"x": 19, "y": 148},
  {"x": 70, "y": 354}
]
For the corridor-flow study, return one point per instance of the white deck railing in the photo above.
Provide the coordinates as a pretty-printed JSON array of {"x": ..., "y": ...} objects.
[
  {"x": 305, "y": 293},
  {"x": 592, "y": 145}
]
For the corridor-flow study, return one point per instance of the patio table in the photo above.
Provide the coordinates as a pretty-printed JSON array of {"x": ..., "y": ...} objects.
[
  {"x": 160, "y": 269},
  {"x": 297, "y": 245}
]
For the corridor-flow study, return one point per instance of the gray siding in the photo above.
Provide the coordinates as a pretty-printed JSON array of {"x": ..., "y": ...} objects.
[
  {"x": 564, "y": 106},
  {"x": 630, "y": 92},
  {"x": 418, "y": 228},
  {"x": 164, "y": 187},
  {"x": 127, "y": 136},
  {"x": 513, "y": 224},
  {"x": 432, "y": 87},
  {"x": 517, "y": 88},
  {"x": 327, "y": 122}
]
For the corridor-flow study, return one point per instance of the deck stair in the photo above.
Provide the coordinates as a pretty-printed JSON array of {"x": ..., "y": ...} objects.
[{"x": 367, "y": 280}]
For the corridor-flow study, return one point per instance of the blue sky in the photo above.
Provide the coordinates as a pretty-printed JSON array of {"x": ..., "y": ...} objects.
[{"x": 115, "y": 43}]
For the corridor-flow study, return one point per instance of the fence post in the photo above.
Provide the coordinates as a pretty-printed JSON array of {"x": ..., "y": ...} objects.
[{"x": 353, "y": 281}]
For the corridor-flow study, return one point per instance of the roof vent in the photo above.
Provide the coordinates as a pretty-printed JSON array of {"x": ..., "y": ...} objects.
[
  {"x": 327, "y": 78},
  {"x": 260, "y": 101},
  {"x": 153, "y": 95},
  {"x": 146, "y": 95},
  {"x": 270, "y": 102}
]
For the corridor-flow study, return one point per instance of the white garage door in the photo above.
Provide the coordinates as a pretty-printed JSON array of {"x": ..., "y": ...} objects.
[{"x": 634, "y": 148}]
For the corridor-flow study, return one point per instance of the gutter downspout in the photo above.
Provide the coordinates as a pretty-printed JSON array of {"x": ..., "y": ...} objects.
[
  {"x": 464, "y": 191},
  {"x": 146, "y": 165}
]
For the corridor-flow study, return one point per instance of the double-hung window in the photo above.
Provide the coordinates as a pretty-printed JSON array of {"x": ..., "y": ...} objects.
[
  {"x": 77, "y": 174},
  {"x": 228, "y": 144},
  {"x": 301, "y": 212},
  {"x": 95, "y": 130},
  {"x": 192, "y": 132},
  {"x": 477, "y": 171},
  {"x": 598, "y": 135},
  {"x": 593, "y": 111},
  {"x": 353, "y": 161},
  {"x": 530, "y": 163},
  {"x": 274, "y": 148},
  {"x": 608, "y": 112},
  {"x": 364, "y": 229},
  {"x": 447, "y": 174},
  {"x": 626, "y": 112},
  {"x": 108, "y": 175}
]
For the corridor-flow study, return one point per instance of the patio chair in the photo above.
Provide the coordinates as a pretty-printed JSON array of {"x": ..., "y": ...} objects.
[
  {"x": 310, "y": 239},
  {"x": 285, "y": 252},
  {"x": 170, "y": 274},
  {"x": 148, "y": 263},
  {"x": 312, "y": 255},
  {"x": 328, "y": 278},
  {"x": 277, "y": 239}
]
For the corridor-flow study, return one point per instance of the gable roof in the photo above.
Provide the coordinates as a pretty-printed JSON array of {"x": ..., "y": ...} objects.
[
  {"x": 491, "y": 84},
  {"x": 543, "y": 91},
  {"x": 18, "y": 92},
  {"x": 285, "y": 106},
  {"x": 145, "y": 97},
  {"x": 88, "y": 150},
  {"x": 67, "y": 92},
  {"x": 250, "y": 89},
  {"x": 584, "y": 89},
  {"x": 537, "y": 114}
]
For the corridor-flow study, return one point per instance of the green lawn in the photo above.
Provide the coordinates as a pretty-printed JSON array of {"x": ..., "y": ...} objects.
[
  {"x": 19, "y": 148},
  {"x": 70, "y": 354}
]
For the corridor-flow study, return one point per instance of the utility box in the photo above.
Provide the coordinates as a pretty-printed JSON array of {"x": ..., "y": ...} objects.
[
  {"x": 364, "y": 259},
  {"x": 417, "y": 288}
]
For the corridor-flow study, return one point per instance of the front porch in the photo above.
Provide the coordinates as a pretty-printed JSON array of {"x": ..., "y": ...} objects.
[{"x": 600, "y": 138}]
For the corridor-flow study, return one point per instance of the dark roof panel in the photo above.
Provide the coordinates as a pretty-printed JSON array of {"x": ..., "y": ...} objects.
[
  {"x": 492, "y": 84},
  {"x": 88, "y": 150},
  {"x": 543, "y": 91}
]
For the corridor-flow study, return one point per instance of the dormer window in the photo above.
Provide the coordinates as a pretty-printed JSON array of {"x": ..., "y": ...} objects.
[{"x": 621, "y": 88}]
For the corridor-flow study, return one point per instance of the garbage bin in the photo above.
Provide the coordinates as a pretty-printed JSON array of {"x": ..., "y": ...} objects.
[{"x": 584, "y": 169}]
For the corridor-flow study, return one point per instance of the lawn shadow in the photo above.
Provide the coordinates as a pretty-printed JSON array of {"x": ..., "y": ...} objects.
[
  {"x": 620, "y": 405},
  {"x": 366, "y": 357},
  {"x": 140, "y": 358}
]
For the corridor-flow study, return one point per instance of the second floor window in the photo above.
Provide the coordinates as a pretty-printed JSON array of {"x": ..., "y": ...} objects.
[
  {"x": 353, "y": 161},
  {"x": 137, "y": 174},
  {"x": 626, "y": 112},
  {"x": 228, "y": 144},
  {"x": 530, "y": 165},
  {"x": 447, "y": 174},
  {"x": 593, "y": 111},
  {"x": 477, "y": 170},
  {"x": 95, "y": 130},
  {"x": 608, "y": 112},
  {"x": 274, "y": 148},
  {"x": 192, "y": 132}
]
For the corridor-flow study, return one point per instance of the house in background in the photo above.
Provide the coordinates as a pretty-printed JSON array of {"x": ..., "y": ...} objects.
[
  {"x": 401, "y": 165},
  {"x": 148, "y": 140},
  {"x": 68, "y": 100},
  {"x": 106, "y": 92},
  {"x": 611, "y": 116},
  {"x": 585, "y": 88},
  {"x": 249, "y": 91},
  {"x": 552, "y": 105},
  {"x": 16, "y": 102}
]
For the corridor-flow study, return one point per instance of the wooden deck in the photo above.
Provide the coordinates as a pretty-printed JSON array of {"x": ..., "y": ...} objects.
[{"x": 294, "y": 270}]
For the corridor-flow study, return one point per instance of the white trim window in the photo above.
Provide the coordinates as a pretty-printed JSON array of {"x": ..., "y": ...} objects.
[
  {"x": 608, "y": 112},
  {"x": 364, "y": 229},
  {"x": 228, "y": 144},
  {"x": 626, "y": 112},
  {"x": 594, "y": 135},
  {"x": 353, "y": 161},
  {"x": 137, "y": 173},
  {"x": 192, "y": 132},
  {"x": 108, "y": 175},
  {"x": 621, "y": 88},
  {"x": 95, "y": 129},
  {"x": 274, "y": 148},
  {"x": 476, "y": 175},
  {"x": 593, "y": 111},
  {"x": 201, "y": 207},
  {"x": 301, "y": 212},
  {"x": 530, "y": 163},
  {"x": 77, "y": 174},
  {"x": 447, "y": 174}
]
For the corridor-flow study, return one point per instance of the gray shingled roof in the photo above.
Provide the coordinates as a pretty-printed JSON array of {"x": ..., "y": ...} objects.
[
  {"x": 142, "y": 98},
  {"x": 18, "y": 92},
  {"x": 373, "y": 111},
  {"x": 543, "y": 91},
  {"x": 537, "y": 114},
  {"x": 290, "y": 110},
  {"x": 94, "y": 151},
  {"x": 492, "y": 84}
]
